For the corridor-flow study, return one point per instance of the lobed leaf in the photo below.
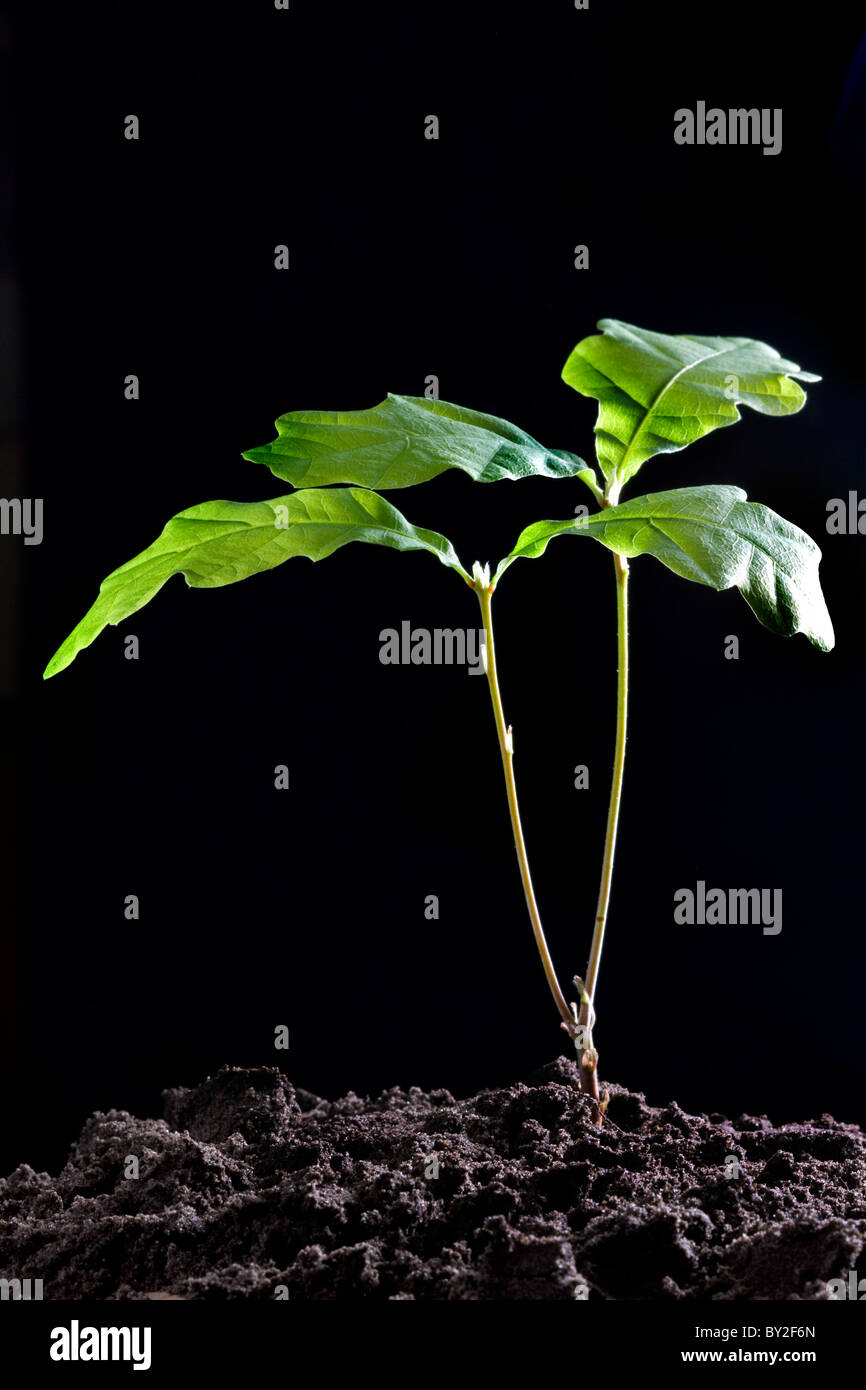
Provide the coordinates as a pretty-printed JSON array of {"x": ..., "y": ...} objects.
[
  {"x": 217, "y": 543},
  {"x": 403, "y": 441},
  {"x": 715, "y": 536},
  {"x": 658, "y": 393}
]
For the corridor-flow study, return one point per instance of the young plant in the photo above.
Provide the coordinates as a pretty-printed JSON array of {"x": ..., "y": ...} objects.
[{"x": 656, "y": 393}]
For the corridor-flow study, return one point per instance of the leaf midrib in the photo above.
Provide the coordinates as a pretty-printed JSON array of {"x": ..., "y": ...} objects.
[
  {"x": 696, "y": 521},
  {"x": 246, "y": 527},
  {"x": 687, "y": 367}
]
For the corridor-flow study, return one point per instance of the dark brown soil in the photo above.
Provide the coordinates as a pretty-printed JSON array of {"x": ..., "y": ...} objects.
[{"x": 250, "y": 1188}]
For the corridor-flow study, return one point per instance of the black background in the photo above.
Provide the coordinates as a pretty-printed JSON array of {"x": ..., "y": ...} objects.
[{"x": 408, "y": 258}]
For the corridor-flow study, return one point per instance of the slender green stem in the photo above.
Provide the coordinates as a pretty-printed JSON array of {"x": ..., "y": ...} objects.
[
  {"x": 587, "y": 1010},
  {"x": 506, "y": 748}
]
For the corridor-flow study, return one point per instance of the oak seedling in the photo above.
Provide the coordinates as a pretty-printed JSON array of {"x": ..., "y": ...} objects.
[{"x": 656, "y": 393}]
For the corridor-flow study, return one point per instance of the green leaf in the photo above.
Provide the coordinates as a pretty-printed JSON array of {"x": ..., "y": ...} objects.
[
  {"x": 714, "y": 536},
  {"x": 220, "y": 543},
  {"x": 658, "y": 393},
  {"x": 406, "y": 440}
]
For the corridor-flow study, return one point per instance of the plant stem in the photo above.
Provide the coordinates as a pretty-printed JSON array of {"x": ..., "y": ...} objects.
[
  {"x": 589, "y": 1059},
  {"x": 506, "y": 748}
]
